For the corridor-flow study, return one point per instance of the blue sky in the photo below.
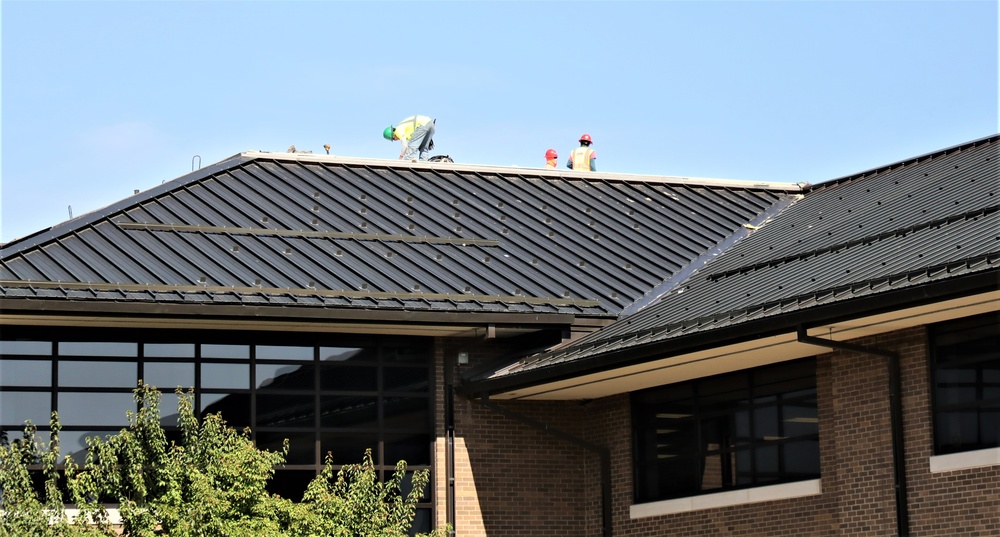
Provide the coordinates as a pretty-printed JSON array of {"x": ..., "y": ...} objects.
[{"x": 102, "y": 98}]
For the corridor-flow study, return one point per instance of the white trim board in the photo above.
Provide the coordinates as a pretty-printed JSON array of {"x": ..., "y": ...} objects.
[
  {"x": 964, "y": 460},
  {"x": 729, "y": 498}
]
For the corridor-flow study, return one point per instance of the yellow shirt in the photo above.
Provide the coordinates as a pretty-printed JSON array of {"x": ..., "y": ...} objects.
[{"x": 404, "y": 130}]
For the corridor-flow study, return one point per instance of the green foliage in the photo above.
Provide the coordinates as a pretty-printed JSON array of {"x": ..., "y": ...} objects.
[
  {"x": 212, "y": 484},
  {"x": 354, "y": 502},
  {"x": 22, "y": 512}
]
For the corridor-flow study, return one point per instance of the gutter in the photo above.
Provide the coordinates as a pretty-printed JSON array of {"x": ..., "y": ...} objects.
[
  {"x": 602, "y": 452},
  {"x": 895, "y": 418},
  {"x": 967, "y": 285},
  {"x": 159, "y": 312}
]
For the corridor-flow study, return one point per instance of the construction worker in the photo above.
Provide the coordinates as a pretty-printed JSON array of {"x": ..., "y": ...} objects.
[
  {"x": 416, "y": 134},
  {"x": 551, "y": 158},
  {"x": 583, "y": 157}
]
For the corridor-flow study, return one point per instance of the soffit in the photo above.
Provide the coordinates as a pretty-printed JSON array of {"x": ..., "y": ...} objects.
[
  {"x": 747, "y": 354},
  {"x": 386, "y": 328}
]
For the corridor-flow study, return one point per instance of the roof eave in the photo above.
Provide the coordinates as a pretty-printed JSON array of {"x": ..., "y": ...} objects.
[
  {"x": 967, "y": 285},
  {"x": 61, "y": 306}
]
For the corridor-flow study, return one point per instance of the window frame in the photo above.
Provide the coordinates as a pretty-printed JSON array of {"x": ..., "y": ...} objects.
[
  {"x": 386, "y": 355},
  {"x": 656, "y": 426},
  {"x": 987, "y": 324}
]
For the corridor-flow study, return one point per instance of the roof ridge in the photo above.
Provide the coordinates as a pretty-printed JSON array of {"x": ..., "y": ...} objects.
[
  {"x": 522, "y": 170},
  {"x": 878, "y": 170},
  {"x": 45, "y": 235}
]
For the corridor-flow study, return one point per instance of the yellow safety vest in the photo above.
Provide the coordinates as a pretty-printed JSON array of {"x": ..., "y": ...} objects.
[
  {"x": 404, "y": 131},
  {"x": 581, "y": 158}
]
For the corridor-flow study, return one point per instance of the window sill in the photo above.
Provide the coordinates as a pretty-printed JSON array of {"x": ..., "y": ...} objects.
[
  {"x": 114, "y": 516},
  {"x": 784, "y": 491},
  {"x": 964, "y": 460}
]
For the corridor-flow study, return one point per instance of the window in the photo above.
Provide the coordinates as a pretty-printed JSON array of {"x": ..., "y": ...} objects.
[
  {"x": 336, "y": 394},
  {"x": 965, "y": 373},
  {"x": 738, "y": 430}
]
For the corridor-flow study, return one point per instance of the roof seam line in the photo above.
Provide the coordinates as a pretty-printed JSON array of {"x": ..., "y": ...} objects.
[
  {"x": 124, "y": 287},
  {"x": 847, "y": 244},
  {"x": 721, "y": 247},
  {"x": 305, "y": 234}
]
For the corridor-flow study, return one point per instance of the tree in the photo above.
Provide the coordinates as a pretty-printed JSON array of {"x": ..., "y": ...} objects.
[{"x": 212, "y": 483}]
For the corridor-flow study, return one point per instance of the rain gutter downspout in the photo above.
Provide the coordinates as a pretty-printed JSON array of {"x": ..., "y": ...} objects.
[
  {"x": 603, "y": 452},
  {"x": 895, "y": 419},
  {"x": 449, "y": 454}
]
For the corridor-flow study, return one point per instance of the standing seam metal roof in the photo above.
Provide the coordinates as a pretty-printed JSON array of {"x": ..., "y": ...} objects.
[
  {"x": 923, "y": 220},
  {"x": 284, "y": 229}
]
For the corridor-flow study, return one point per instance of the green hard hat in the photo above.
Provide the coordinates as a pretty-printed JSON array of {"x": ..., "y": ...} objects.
[{"x": 387, "y": 133}]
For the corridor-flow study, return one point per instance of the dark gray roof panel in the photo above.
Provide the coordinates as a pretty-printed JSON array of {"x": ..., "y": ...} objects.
[
  {"x": 966, "y": 181},
  {"x": 284, "y": 229},
  {"x": 926, "y": 220}
]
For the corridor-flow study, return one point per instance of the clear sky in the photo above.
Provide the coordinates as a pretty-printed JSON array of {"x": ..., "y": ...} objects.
[{"x": 102, "y": 98}]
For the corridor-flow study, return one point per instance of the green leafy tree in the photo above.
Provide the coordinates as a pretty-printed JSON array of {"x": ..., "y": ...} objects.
[
  {"x": 353, "y": 502},
  {"x": 211, "y": 484},
  {"x": 24, "y": 513}
]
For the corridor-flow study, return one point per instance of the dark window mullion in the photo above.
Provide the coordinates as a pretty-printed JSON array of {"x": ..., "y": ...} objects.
[
  {"x": 54, "y": 393},
  {"x": 753, "y": 429},
  {"x": 317, "y": 446},
  {"x": 253, "y": 391}
]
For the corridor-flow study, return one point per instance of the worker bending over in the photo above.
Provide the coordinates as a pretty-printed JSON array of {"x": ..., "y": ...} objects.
[
  {"x": 416, "y": 134},
  {"x": 583, "y": 157}
]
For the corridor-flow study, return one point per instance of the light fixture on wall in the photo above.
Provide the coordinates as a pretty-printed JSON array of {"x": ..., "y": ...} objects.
[{"x": 463, "y": 357}]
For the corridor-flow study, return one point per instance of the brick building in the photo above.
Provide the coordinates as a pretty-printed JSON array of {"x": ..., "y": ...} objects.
[{"x": 569, "y": 353}]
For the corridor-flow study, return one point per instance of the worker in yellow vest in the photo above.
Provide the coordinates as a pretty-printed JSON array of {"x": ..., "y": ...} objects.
[
  {"x": 416, "y": 133},
  {"x": 551, "y": 158},
  {"x": 583, "y": 157}
]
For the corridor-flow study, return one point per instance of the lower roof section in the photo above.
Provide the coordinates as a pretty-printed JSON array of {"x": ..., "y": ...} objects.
[{"x": 738, "y": 347}]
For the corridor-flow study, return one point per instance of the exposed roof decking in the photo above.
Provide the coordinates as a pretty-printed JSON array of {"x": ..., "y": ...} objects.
[{"x": 351, "y": 233}]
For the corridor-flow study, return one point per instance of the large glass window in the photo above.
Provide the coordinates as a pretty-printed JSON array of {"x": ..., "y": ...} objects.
[
  {"x": 965, "y": 373},
  {"x": 325, "y": 394},
  {"x": 743, "y": 429}
]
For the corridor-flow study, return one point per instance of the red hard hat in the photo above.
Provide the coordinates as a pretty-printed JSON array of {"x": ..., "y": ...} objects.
[
  {"x": 586, "y": 138},
  {"x": 551, "y": 153}
]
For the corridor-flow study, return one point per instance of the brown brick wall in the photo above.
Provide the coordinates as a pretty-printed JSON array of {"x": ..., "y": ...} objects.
[
  {"x": 510, "y": 478},
  {"x": 959, "y": 503},
  {"x": 525, "y": 482}
]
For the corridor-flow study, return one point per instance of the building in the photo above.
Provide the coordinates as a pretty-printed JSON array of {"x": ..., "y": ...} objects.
[{"x": 568, "y": 352}]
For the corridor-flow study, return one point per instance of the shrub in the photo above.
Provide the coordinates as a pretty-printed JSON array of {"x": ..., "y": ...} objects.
[{"x": 211, "y": 484}]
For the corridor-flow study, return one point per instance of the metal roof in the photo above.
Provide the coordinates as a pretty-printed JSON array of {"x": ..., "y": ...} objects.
[
  {"x": 923, "y": 221},
  {"x": 295, "y": 230}
]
